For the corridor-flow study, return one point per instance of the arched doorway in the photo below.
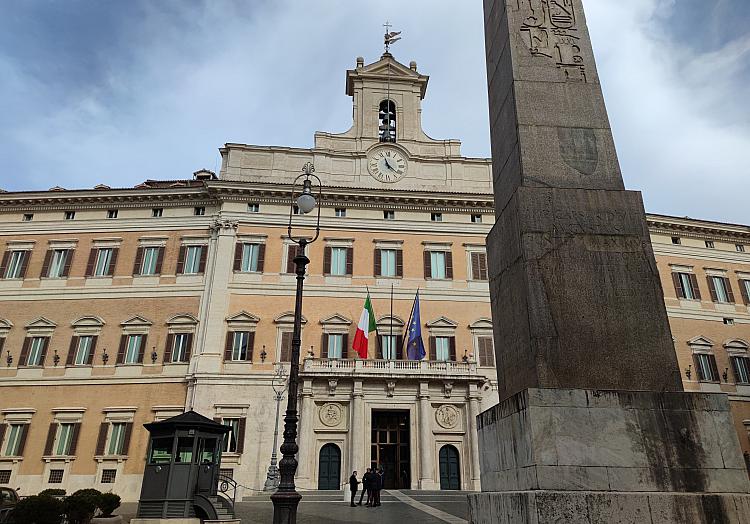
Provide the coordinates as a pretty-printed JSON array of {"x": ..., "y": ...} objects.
[
  {"x": 450, "y": 470},
  {"x": 329, "y": 467}
]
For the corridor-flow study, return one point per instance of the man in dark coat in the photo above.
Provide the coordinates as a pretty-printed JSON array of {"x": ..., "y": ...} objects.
[
  {"x": 353, "y": 483},
  {"x": 366, "y": 478},
  {"x": 377, "y": 486}
]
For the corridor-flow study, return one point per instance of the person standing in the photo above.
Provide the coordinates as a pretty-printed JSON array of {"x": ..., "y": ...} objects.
[
  {"x": 353, "y": 483},
  {"x": 366, "y": 478},
  {"x": 377, "y": 486}
]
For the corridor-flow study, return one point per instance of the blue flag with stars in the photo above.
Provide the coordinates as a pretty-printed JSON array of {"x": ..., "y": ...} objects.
[{"x": 415, "y": 346}]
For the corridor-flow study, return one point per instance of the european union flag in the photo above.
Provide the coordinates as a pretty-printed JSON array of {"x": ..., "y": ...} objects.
[{"x": 415, "y": 346}]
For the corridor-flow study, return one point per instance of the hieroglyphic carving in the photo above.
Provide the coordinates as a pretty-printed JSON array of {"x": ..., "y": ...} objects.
[{"x": 550, "y": 30}]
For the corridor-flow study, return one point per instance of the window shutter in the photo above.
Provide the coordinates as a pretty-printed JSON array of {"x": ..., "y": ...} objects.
[
  {"x": 286, "y": 346},
  {"x": 121, "y": 349},
  {"x": 168, "y": 348},
  {"x": 730, "y": 293},
  {"x": 2, "y": 432},
  {"x": 677, "y": 285},
  {"x": 399, "y": 347},
  {"x": 181, "y": 261},
  {"x": 74, "y": 438},
  {"x": 91, "y": 262},
  {"x": 72, "y": 351},
  {"x": 448, "y": 265},
  {"x": 68, "y": 261},
  {"x": 698, "y": 369},
  {"x": 51, "y": 433},
  {"x": 45, "y": 345},
  {"x": 4, "y": 263},
  {"x": 261, "y": 257},
  {"x": 189, "y": 348},
  {"x": 22, "y": 443},
  {"x": 23, "y": 359},
  {"x": 712, "y": 289},
  {"x": 126, "y": 438},
  {"x": 113, "y": 261},
  {"x": 483, "y": 274},
  {"x": 92, "y": 350},
  {"x": 45, "y": 264},
  {"x": 2, "y": 345},
  {"x": 324, "y": 346},
  {"x": 238, "y": 248},
  {"x": 327, "y": 260},
  {"x": 138, "y": 261},
  {"x": 736, "y": 374},
  {"x": 433, "y": 349},
  {"x": 24, "y": 264},
  {"x": 743, "y": 291},
  {"x": 714, "y": 369},
  {"x": 102, "y": 438},
  {"x": 452, "y": 349},
  {"x": 694, "y": 285},
  {"x": 291, "y": 252},
  {"x": 159, "y": 260},
  {"x": 202, "y": 263},
  {"x": 250, "y": 345},
  {"x": 241, "y": 435},
  {"x": 488, "y": 355},
  {"x": 142, "y": 348},
  {"x": 475, "y": 266},
  {"x": 345, "y": 345},
  {"x": 349, "y": 260},
  {"x": 377, "y": 270},
  {"x": 427, "y": 265},
  {"x": 228, "y": 347},
  {"x": 399, "y": 263}
]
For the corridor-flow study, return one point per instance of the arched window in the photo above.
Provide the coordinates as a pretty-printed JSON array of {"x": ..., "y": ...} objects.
[{"x": 387, "y": 121}]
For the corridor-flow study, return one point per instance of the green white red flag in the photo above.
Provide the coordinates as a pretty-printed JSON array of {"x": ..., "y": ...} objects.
[{"x": 364, "y": 328}]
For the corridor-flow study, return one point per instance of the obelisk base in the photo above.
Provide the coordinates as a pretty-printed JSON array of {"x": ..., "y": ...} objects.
[{"x": 586, "y": 456}]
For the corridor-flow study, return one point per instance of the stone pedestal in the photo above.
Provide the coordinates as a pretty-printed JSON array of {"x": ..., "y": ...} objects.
[{"x": 589, "y": 456}]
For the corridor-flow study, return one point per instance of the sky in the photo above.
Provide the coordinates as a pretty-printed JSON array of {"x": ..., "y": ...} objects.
[{"x": 105, "y": 91}]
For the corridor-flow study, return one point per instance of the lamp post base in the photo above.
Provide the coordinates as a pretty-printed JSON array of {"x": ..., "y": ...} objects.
[{"x": 285, "y": 506}]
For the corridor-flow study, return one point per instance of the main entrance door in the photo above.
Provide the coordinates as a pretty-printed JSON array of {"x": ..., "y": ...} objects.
[
  {"x": 390, "y": 448},
  {"x": 329, "y": 467},
  {"x": 450, "y": 472}
]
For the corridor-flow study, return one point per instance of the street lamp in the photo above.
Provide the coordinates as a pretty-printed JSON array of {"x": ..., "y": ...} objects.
[
  {"x": 279, "y": 385},
  {"x": 286, "y": 498}
]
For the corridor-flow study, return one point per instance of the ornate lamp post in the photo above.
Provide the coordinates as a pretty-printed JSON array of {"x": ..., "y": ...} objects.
[
  {"x": 286, "y": 498},
  {"x": 279, "y": 385}
]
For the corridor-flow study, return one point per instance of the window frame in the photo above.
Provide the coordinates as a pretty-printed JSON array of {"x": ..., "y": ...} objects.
[
  {"x": 136, "y": 348},
  {"x": 700, "y": 367},
  {"x": 17, "y": 261}
]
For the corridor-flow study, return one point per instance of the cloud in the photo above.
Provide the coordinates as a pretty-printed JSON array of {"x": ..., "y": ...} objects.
[{"x": 110, "y": 92}]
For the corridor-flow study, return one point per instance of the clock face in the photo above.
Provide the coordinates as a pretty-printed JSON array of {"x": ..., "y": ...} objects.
[{"x": 387, "y": 164}]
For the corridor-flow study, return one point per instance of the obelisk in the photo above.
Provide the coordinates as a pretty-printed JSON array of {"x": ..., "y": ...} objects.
[{"x": 593, "y": 425}]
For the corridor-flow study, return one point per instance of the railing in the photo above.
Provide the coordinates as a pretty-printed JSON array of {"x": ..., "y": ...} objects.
[
  {"x": 226, "y": 486},
  {"x": 348, "y": 366}
]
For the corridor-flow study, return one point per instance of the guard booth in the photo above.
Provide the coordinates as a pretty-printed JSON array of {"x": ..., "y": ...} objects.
[{"x": 181, "y": 479}]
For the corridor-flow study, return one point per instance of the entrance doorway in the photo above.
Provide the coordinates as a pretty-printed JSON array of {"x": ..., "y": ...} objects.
[
  {"x": 390, "y": 448},
  {"x": 450, "y": 471},
  {"x": 329, "y": 467}
]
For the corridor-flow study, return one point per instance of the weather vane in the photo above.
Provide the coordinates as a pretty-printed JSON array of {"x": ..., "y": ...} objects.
[{"x": 390, "y": 36}]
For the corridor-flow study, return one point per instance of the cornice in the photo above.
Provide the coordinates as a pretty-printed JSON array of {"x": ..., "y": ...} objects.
[{"x": 693, "y": 228}]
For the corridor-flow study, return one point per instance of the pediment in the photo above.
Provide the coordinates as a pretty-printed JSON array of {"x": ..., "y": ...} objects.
[
  {"x": 243, "y": 317},
  {"x": 183, "y": 319},
  {"x": 737, "y": 344},
  {"x": 390, "y": 67},
  {"x": 88, "y": 321},
  {"x": 442, "y": 322},
  {"x": 41, "y": 322},
  {"x": 337, "y": 320},
  {"x": 288, "y": 318},
  {"x": 137, "y": 321},
  {"x": 5, "y": 324},
  {"x": 482, "y": 323},
  {"x": 386, "y": 68},
  {"x": 387, "y": 320},
  {"x": 700, "y": 341}
]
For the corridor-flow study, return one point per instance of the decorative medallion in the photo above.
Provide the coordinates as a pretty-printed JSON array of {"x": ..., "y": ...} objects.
[
  {"x": 447, "y": 416},
  {"x": 387, "y": 164},
  {"x": 330, "y": 414}
]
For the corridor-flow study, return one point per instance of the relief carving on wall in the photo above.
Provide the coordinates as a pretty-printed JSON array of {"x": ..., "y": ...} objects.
[
  {"x": 330, "y": 414},
  {"x": 447, "y": 416},
  {"x": 578, "y": 148},
  {"x": 550, "y": 29}
]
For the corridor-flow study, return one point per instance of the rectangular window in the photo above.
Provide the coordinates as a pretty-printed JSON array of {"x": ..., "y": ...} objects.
[
  {"x": 240, "y": 346},
  {"x": 479, "y": 266},
  {"x": 389, "y": 215},
  {"x": 199, "y": 211},
  {"x": 180, "y": 348},
  {"x": 13, "y": 440},
  {"x": 230, "y": 439},
  {"x": 710, "y": 244},
  {"x": 5, "y": 476},
  {"x": 338, "y": 261},
  {"x": 686, "y": 286},
  {"x": 388, "y": 262},
  {"x": 28, "y": 217},
  {"x": 57, "y": 263},
  {"x": 340, "y": 212},
  {"x": 116, "y": 439},
  {"x": 70, "y": 215},
  {"x": 729, "y": 321},
  {"x": 745, "y": 286},
  {"x": 486, "y": 351},
  {"x": 286, "y": 347},
  {"x": 132, "y": 349},
  {"x": 36, "y": 351},
  {"x": 721, "y": 288},
  {"x": 112, "y": 213},
  {"x": 389, "y": 346},
  {"x": 476, "y": 219},
  {"x": 295, "y": 210},
  {"x": 250, "y": 257},
  {"x": 436, "y": 217},
  {"x": 157, "y": 212},
  {"x": 103, "y": 261},
  {"x": 443, "y": 348},
  {"x": 56, "y": 476},
  {"x": 335, "y": 345},
  {"x": 15, "y": 264},
  {"x": 705, "y": 364},
  {"x": 437, "y": 264},
  {"x": 192, "y": 260},
  {"x": 108, "y": 476},
  {"x": 741, "y": 366},
  {"x": 676, "y": 241},
  {"x": 83, "y": 350},
  {"x": 64, "y": 439},
  {"x": 149, "y": 262},
  {"x": 740, "y": 248},
  {"x": 253, "y": 208}
]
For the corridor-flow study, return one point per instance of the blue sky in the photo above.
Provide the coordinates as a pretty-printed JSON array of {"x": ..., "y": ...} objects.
[{"x": 116, "y": 92}]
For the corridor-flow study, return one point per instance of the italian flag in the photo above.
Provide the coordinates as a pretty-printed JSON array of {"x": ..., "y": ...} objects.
[{"x": 364, "y": 328}]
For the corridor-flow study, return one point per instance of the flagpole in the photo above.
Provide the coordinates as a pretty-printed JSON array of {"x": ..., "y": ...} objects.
[
  {"x": 408, "y": 324},
  {"x": 391, "y": 339},
  {"x": 377, "y": 333}
]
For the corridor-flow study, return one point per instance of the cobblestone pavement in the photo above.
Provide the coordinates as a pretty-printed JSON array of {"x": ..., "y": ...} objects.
[{"x": 415, "y": 507}]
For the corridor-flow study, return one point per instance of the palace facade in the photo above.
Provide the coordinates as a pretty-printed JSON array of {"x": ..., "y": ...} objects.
[{"x": 121, "y": 306}]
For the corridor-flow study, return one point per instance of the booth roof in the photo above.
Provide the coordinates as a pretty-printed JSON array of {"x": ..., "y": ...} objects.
[{"x": 191, "y": 419}]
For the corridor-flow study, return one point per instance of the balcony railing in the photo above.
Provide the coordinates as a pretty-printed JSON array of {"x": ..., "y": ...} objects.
[{"x": 349, "y": 366}]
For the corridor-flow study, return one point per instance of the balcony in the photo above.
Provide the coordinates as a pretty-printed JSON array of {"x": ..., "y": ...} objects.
[{"x": 324, "y": 367}]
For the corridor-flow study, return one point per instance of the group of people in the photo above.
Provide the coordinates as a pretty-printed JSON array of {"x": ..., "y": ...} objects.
[{"x": 372, "y": 483}]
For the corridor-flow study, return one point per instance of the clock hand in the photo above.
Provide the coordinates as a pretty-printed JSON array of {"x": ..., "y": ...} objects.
[{"x": 387, "y": 163}]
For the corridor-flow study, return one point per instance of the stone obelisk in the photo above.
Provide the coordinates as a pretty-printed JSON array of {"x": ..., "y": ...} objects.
[{"x": 593, "y": 425}]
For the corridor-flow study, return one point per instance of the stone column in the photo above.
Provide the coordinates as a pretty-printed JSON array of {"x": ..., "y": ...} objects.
[
  {"x": 473, "y": 436},
  {"x": 425, "y": 440},
  {"x": 306, "y": 437},
  {"x": 357, "y": 430}
]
